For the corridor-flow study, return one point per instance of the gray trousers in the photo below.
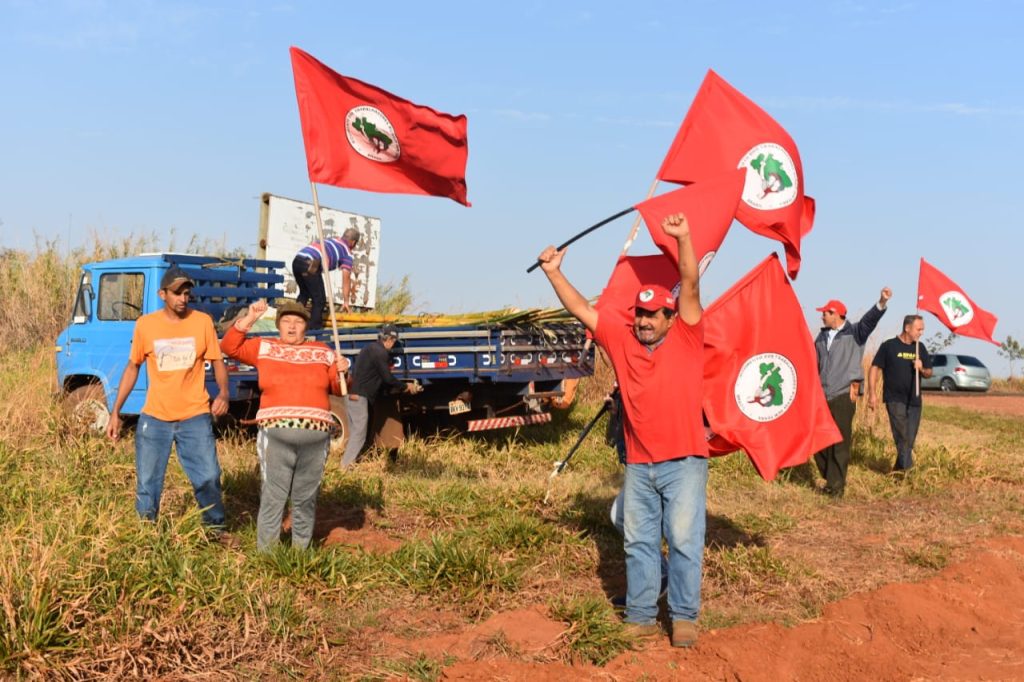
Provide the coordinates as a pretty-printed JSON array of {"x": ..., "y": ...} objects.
[
  {"x": 358, "y": 410},
  {"x": 291, "y": 465}
]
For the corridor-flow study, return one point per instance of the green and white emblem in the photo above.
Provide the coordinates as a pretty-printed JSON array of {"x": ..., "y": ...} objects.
[
  {"x": 957, "y": 308},
  {"x": 765, "y": 387},
  {"x": 772, "y": 181},
  {"x": 371, "y": 134}
]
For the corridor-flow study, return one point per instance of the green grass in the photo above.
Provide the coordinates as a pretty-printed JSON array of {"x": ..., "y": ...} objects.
[{"x": 88, "y": 590}]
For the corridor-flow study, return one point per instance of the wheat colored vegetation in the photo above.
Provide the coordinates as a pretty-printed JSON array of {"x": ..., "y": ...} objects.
[{"x": 455, "y": 531}]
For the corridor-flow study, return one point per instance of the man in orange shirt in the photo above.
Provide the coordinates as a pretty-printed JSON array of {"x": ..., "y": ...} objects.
[{"x": 175, "y": 342}]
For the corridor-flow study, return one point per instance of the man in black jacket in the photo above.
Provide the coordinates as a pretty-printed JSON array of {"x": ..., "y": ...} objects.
[
  {"x": 840, "y": 347},
  {"x": 372, "y": 379}
]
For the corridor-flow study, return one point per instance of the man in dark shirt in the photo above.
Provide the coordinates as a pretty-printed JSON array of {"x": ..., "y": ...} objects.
[
  {"x": 898, "y": 361},
  {"x": 372, "y": 379}
]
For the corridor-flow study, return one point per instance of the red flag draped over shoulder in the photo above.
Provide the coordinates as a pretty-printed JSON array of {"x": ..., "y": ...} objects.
[
  {"x": 357, "y": 135},
  {"x": 761, "y": 387},
  {"x": 724, "y": 129},
  {"x": 709, "y": 208},
  {"x": 941, "y": 296}
]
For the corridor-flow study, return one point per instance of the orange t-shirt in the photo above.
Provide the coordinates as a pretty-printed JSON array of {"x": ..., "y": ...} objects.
[{"x": 175, "y": 353}]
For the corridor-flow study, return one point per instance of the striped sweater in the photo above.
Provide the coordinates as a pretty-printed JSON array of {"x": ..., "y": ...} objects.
[{"x": 295, "y": 380}]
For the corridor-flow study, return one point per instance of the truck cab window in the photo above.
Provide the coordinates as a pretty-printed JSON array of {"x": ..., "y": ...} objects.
[{"x": 120, "y": 296}]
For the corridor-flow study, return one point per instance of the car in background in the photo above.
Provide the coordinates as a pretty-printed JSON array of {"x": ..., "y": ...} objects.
[{"x": 956, "y": 372}]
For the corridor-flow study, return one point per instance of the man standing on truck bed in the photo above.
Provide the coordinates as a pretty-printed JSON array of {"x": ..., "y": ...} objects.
[
  {"x": 659, "y": 365},
  {"x": 308, "y": 270},
  {"x": 175, "y": 342}
]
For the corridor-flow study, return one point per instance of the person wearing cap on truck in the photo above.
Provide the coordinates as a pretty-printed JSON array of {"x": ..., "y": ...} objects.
[
  {"x": 308, "y": 270},
  {"x": 371, "y": 379},
  {"x": 175, "y": 342},
  {"x": 659, "y": 365},
  {"x": 840, "y": 347},
  {"x": 296, "y": 377}
]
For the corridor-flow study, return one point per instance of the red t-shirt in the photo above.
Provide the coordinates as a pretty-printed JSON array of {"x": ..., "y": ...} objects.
[{"x": 661, "y": 389}]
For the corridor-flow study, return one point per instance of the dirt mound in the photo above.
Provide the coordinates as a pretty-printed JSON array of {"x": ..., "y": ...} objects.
[
  {"x": 528, "y": 634},
  {"x": 965, "y": 623}
]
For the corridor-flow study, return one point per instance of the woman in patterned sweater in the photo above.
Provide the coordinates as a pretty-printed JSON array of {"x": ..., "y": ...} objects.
[{"x": 296, "y": 377}]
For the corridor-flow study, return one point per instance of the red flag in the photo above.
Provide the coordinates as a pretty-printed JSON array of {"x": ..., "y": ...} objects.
[
  {"x": 709, "y": 207},
  {"x": 761, "y": 387},
  {"x": 722, "y": 130},
  {"x": 630, "y": 273},
  {"x": 941, "y": 296},
  {"x": 360, "y": 136}
]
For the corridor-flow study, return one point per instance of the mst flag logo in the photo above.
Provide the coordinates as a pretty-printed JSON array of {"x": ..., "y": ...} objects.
[
  {"x": 957, "y": 308},
  {"x": 772, "y": 179},
  {"x": 371, "y": 134},
  {"x": 765, "y": 387}
]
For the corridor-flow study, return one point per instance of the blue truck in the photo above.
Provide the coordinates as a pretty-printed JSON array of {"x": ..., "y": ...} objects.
[{"x": 480, "y": 377}]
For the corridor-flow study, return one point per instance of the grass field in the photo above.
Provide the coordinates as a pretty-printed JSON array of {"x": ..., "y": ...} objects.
[
  {"x": 456, "y": 528},
  {"x": 455, "y": 532}
]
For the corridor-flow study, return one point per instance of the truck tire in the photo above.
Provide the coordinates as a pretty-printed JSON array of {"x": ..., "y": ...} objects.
[
  {"x": 86, "y": 409},
  {"x": 340, "y": 439}
]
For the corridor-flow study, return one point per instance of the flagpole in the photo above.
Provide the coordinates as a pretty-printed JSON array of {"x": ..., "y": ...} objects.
[
  {"x": 917, "y": 355},
  {"x": 636, "y": 223},
  {"x": 587, "y": 231},
  {"x": 325, "y": 273}
]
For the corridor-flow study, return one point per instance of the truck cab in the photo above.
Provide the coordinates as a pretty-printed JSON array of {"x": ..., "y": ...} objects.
[{"x": 93, "y": 350}]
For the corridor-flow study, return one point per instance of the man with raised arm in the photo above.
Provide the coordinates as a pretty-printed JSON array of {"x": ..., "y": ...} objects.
[{"x": 659, "y": 366}]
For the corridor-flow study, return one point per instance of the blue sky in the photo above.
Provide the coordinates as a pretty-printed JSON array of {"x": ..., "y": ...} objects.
[{"x": 122, "y": 117}]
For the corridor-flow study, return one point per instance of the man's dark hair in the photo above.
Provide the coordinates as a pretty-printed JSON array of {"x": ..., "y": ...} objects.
[{"x": 909, "y": 320}]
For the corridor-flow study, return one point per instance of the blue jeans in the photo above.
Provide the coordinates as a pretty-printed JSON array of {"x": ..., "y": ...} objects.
[
  {"x": 670, "y": 499},
  {"x": 904, "y": 420},
  {"x": 197, "y": 451}
]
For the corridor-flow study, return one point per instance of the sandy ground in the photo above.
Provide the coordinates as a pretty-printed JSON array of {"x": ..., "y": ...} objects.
[
  {"x": 1011, "y": 404},
  {"x": 966, "y": 623}
]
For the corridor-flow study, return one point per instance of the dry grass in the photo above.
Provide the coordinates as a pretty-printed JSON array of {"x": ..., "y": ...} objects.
[{"x": 457, "y": 529}]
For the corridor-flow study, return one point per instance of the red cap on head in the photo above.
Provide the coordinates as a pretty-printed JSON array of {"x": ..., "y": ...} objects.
[
  {"x": 835, "y": 306},
  {"x": 653, "y": 297}
]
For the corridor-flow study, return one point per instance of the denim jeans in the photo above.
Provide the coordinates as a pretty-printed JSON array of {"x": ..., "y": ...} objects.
[
  {"x": 904, "y": 420},
  {"x": 667, "y": 498},
  {"x": 618, "y": 516},
  {"x": 311, "y": 287},
  {"x": 197, "y": 451}
]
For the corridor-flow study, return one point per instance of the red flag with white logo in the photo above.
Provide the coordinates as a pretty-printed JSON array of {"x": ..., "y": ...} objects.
[
  {"x": 942, "y": 297},
  {"x": 709, "y": 208},
  {"x": 724, "y": 129},
  {"x": 762, "y": 393},
  {"x": 357, "y": 135},
  {"x": 631, "y": 273}
]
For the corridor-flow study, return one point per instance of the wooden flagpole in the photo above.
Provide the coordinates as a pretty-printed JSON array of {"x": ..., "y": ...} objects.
[
  {"x": 325, "y": 273},
  {"x": 636, "y": 223}
]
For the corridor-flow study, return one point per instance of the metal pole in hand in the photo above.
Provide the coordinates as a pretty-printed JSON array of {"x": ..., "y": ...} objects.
[
  {"x": 585, "y": 232},
  {"x": 327, "y": 282}
]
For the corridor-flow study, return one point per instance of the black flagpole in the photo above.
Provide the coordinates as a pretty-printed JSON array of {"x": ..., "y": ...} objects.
[{"x": 585, "y": 232}]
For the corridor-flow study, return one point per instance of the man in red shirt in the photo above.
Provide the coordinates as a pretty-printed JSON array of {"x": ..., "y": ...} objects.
[{"x": 659, "y": 365}]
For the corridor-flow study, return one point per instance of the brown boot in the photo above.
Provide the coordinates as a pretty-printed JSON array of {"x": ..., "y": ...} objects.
[
  {"x": 684, "y": 633},
  {"x": 642, "y": 631}
]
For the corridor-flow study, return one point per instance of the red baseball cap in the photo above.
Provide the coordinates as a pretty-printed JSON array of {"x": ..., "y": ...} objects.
[
  {"x": 654, "y": 297},
  {"x": 835, "y": 306}
]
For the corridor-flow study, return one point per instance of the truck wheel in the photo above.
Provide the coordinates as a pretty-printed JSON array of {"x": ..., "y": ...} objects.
[
  {"x": 340, "y": 439},
  {"x": 86, "y": 408},
  {"x": 947, "y": 384}
]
